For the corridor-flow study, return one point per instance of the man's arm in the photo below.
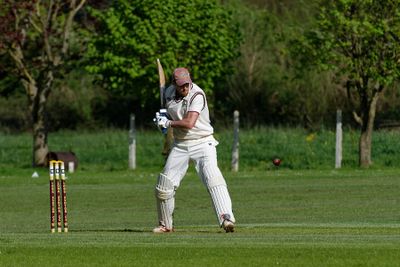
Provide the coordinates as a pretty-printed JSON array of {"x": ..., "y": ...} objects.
[{"x": 187, "y": 122}]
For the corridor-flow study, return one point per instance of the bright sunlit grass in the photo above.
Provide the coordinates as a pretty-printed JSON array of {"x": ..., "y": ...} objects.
[{"x": 284, "y": 218}]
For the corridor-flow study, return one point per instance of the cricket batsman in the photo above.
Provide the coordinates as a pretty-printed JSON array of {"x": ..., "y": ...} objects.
[{"x": 187, "y": 113}]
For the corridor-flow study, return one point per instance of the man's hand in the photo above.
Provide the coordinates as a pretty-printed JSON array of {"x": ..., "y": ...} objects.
[{"x": 161, "y": 120}]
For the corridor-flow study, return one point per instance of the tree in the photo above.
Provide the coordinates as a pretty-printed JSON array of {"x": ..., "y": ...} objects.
[
  {"x": 131, "y": 35},
  {"x": 265, "y": 87},
  {"x": 360, "y": 39},
  {"x": 35, "y": 36}
]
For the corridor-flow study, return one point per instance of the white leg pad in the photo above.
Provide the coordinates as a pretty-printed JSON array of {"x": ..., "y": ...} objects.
[
  {"x": 165, "y": 192},
  {"x": 210, "y": 174},
  {"x": 222, "y": 202}
]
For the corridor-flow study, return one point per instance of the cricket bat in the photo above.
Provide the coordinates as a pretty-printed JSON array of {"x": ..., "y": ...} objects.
[
  {"x": 168, "y": 140},
  {"x": 161, "y": 76}
]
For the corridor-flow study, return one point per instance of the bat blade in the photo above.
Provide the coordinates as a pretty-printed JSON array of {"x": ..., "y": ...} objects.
[{"x": 161, "y": 76}]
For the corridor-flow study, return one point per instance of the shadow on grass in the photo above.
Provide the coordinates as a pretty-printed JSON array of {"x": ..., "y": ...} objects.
[
  {"x": 110, "y": 230},
  {"x": 180, "y": 231}
]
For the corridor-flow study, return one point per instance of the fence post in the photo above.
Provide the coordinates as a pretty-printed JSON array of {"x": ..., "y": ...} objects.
[
  {"x": 339, "y": 138},
  {"x": 235, "y": 147},
  {"x": 132, "y": 143}
]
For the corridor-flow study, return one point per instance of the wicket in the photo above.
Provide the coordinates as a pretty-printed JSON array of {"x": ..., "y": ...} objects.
[{"x": 58, "y": 195}]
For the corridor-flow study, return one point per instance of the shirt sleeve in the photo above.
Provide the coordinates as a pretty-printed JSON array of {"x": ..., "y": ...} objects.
[{"x": 197, "y": 102}]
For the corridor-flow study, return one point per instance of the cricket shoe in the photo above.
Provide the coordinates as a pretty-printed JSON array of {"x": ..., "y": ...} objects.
[
  {"x": 227, "y": 224},
  {"x": 162, "y": 229}
]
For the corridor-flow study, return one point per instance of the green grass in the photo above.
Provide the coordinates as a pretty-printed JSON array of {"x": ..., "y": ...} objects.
[
  {"x": 304, "y": 213},
  {"x": 107, "y": 149},
  {"x": 284, "y": 218},
  {"x": 299, "y": 150}
]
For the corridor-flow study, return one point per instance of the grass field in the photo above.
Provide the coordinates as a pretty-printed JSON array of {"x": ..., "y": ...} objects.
[
  {"x": 284, "y": 218},
  {"x": 107, "y": 150}
]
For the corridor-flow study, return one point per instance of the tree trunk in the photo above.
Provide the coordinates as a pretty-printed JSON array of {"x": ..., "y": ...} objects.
[
  {"x": 365, "y": 148},
  {"x": 37, "y": 105},
  {"x": 368, "y": 118},
  {"x": 40, "y": 147}
]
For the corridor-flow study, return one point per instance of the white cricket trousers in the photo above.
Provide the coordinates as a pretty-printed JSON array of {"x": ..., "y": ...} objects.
[{"x": 204, "y": 156}]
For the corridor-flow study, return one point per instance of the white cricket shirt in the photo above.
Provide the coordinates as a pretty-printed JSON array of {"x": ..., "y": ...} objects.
[{"x": 177, "y": 108}]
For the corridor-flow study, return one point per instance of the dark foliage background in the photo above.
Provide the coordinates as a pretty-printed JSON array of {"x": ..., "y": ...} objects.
[{"x": 265, "y": 81}]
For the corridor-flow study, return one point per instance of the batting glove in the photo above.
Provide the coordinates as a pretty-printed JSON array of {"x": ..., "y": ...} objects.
[{"x": 161, "y": 121}]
